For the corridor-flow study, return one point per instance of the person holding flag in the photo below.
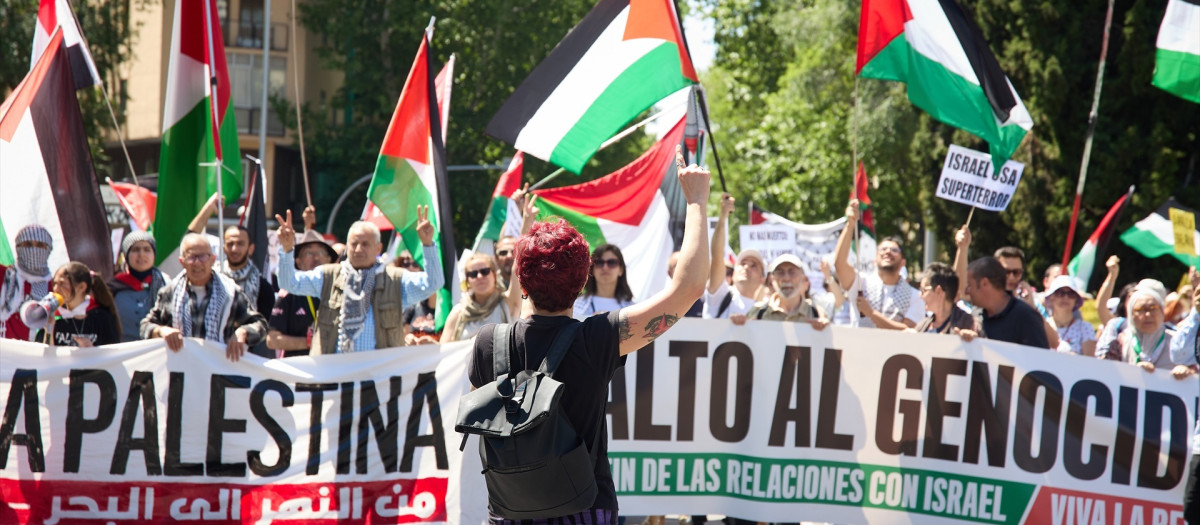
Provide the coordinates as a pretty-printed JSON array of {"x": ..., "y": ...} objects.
[{"x": 361, "y": 298}]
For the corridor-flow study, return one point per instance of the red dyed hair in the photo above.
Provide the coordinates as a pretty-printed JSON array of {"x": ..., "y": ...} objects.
[{"x": 552, "y": 262}]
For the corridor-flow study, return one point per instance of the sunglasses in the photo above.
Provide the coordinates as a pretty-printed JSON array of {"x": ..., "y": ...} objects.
[
  {"x": 406, "y": 263},
  {"x": 611, "y": 263},
  {"x": 503, "y": 253},
  {"x": 484, "y": 272},
  {"x": 1015, "y": 273}
]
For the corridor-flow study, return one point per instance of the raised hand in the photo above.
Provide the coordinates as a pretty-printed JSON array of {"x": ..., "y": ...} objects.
[
  {"x": 852, "y": 211},
  {"x": 1113, "y": 264},
  {"x": 529, "y": 211},
  {"x": 727, "y": 203},
  {"x": 424, "y": 227},
  {"x": 962, "y": 237},
  {"x": 693, "y": 179},
  {"x": 287, "y": 234},
  {"x": 310, "y": 218}
]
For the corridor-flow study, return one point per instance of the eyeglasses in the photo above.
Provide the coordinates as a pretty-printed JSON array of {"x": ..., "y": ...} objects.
[
  {"x": 482, "y": 272},
  {"x": 197, "y": 258},
  {"x": 611, "y": 263},
  {"x": 406, "y": 263},
  {"x": 1015, "y": 273},
  {"x": 503, "y": 253},
  {"x": 893, "y": 249},
  {"x": 1147, "y": 310},
  {"x": 786, "y": 272}
]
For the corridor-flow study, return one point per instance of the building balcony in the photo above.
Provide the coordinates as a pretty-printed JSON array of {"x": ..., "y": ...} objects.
[{"x": 249, "y": 34}]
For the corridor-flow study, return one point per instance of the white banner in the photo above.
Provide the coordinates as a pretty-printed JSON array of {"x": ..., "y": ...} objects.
[
  {"x": 968, "y": 177},
  {"x": 777, "y": 422},
  {"x": 134, "y": 432},
  {"x": 768, "y": 422},
  {"x": 771, "y": 240}
]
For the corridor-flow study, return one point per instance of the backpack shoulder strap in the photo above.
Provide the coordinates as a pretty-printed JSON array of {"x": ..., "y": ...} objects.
[
  {"x": 501, "y": 345},
  {"x": 558, "y": 348},
  {"x": 725, "y": 303}
]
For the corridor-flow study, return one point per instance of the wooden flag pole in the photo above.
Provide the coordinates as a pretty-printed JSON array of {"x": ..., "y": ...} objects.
[
  {"x": 299, "y": 119},
  {"x": 1087, "y": 144}
]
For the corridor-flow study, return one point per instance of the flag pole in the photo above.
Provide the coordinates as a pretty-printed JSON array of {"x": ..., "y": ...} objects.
[
  {"x": 104, "y": 92},
  {"x": 266, "y": 83},
  {"x": 216, "y": 135},
  {"x": 608, "y": 143},
  {"x": 702, "y": 102},
  {"x": 299, "y": 119},
  {"x": 1087, "y": 145}
]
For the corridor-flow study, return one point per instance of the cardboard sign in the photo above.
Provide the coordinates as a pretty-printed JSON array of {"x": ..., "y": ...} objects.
[{"x": 968, "y": 177}]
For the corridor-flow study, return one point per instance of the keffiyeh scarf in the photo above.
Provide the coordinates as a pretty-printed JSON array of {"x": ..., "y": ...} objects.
[
  {"x": 901, "y": 297},
  {"x": 181, "y": 309},
  {"x": 248, "y": 277},
  {"x": 360, "y": 284}
]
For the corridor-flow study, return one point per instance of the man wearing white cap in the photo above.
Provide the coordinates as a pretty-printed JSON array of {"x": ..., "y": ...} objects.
[
  {"x": 791, "y": 300},
  {"x": 887, "y": 300},
  {"x": 721, "y": 300},
  {"x": 28, "y": 280}
]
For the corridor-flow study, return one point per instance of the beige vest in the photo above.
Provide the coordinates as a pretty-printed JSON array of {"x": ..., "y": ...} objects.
[{"x": 386, "y": 306}]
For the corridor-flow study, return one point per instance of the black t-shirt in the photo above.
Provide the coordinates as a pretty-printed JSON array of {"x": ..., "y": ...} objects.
[
  {"x": 585, "y": 372},
  {"x": 98, "y": 325},
  {"x": 1018, "y": 323},
  {"x": 292, "y": 315},
  {"x": 421, "y": 319}
]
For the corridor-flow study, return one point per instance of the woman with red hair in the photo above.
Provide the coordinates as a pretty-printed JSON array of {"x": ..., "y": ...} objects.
[{"x": 552, "y": 264}]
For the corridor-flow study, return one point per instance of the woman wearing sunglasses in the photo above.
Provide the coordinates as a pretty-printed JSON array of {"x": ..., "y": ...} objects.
[
  {"x": 1063, "y": 301},
  {"x": 607, "y": 289},
  {"x": 486, "y": 301}
]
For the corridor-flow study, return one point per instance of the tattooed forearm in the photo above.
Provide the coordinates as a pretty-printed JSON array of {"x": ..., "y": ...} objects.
[
  {"x": 659, "y": 326},
  {"x": 623, "y": 332}
]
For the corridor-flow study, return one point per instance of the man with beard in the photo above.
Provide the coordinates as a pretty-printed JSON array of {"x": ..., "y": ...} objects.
[
  {"x": 791, "y": 300},
  {"x": 885, "y": 300},
  {"x": 28, "y": 280},
  {"x": 720, "y": 300}
]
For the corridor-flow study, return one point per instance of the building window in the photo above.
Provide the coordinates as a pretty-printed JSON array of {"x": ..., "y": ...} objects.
[{"x": 245, "y": 80}]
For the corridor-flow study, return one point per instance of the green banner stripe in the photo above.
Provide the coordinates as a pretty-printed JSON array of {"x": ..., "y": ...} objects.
[{"x": 773, "y": 480}]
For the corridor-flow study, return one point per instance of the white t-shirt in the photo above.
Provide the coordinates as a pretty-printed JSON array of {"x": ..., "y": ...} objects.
[
  {"x": 738, "y": 304},
  {"x": 589, "y": 305},
  {"x": 916, "y": 306}
]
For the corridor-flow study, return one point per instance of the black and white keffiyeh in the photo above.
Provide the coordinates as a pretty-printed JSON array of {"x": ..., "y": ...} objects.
[
  {"x": 875, "y": 291},
  {"x": 360, "y": 284},
  {"x": 248, "y": 277},
  {"x": 214, "y": 316}
]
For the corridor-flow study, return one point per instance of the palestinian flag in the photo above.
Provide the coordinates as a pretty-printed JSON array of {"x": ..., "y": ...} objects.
[
  {"x": 1177, "y": 61},
  {"x": 53, "y": 14},
  {"x": 1154, "y": 236},
  {"x": 622, "y": 58},
  {"x": 861, "y": 185},
  {"x": 46, "y": 173},
  {"x": 509, "y": 183},
  {"x": 194, "y": 139},
  {"x": 411, "y": 172},
  {"x": 625, "y": 208},
  {"x": 1083, "y": 265},
  {"x": 935, "y": 48}
]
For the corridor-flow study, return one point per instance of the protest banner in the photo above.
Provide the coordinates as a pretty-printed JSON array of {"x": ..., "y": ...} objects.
[
  {"x": 769, "y": 422},
  {"x": 968, "y": 177},
  {"x": 777, "y": 422},
  {"x": 134, "y": 432}
]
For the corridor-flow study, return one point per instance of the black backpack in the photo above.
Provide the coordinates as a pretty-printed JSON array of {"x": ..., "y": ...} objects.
[{"x": 535, "y": 464}]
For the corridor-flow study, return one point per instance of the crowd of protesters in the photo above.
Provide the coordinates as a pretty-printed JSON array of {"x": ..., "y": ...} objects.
[{"x": 323, "y": 301}]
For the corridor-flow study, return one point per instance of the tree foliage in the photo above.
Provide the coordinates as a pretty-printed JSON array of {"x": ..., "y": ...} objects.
[
  {"x": 496, "y": 45},
  {"x": 785, "y": 119}
]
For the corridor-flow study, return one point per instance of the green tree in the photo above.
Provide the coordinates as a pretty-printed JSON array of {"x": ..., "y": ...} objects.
[
  {"x": 496, "y": 45},
  {"x": 789, "y": 143}
]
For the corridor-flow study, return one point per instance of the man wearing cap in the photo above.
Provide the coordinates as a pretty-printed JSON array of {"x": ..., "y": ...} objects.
[
  {"x": 28, "y": 280},
  {"x": 791, "y": 300},
  {"x": 136, "y": 287},
  {"x": 361, "y": 298},
  {"x": 886, "y": 300},
  {"x": 291, "y": 325},
  {"x": 720, "y": 299}
]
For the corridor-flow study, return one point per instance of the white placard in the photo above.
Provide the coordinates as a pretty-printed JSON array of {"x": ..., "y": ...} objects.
[
  {"x": 968, "y": 177},
  {"x": 771, "y": 240}
]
